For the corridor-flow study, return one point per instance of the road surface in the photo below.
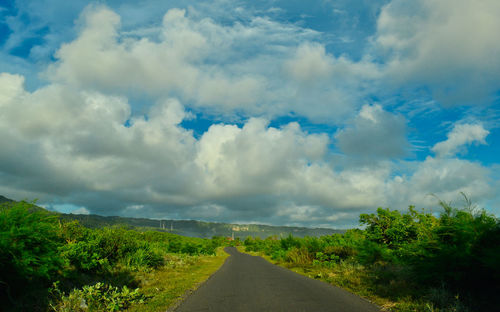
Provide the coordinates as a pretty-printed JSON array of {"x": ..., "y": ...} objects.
[{"x": 250, "y": 283}]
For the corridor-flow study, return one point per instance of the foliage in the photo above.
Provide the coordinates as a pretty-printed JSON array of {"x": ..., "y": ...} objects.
[
  {"x": 394, "y": 230},
  {"x": 421, "y": 261},
  {"x": 29, "y": 242},
  {"x": 97, "y": 297},
  {"x": 462, "y": 253},
  {"x": 37, "y": 249}
]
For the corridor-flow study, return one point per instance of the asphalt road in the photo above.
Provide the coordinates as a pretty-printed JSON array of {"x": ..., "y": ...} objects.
[{"x": 249, "y": 283}]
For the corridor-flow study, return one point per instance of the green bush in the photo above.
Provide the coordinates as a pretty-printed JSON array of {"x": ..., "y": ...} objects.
[
  {"x": 145, "y": 256},
  {"x": 463, "y": 253},
  {"x": 279, "y": 255},
  {"x": 29, "y": 244},
  {"x": 85, "y": 255},
  {"x": 97, "y": 297},
  {"x": 370, "y": 253}
]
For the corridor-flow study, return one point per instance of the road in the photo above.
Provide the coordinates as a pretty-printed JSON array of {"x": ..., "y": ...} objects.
[{"x": 250, "y": 283}]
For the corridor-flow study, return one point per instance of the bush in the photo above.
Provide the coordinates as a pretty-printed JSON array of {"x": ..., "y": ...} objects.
[
  {"x": 370, "y": 253},
  {"x": 463, "y": 253},
  {"x": 97, "y": 297},
  {"x": 29, "y": 243},
  {"x": 145, "y": 257},
  {"x": 299, "y": 256},
  {"x": 85, "y": 255},
  {"x": 279, "y": 255}
]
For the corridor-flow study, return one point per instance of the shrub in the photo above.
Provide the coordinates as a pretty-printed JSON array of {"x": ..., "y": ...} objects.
[
  {"x": 370, "y": 253},
  {"x": 393, "y": 229},
  {"x": 97, "y": 297},
  {"x": 279, "y": 255},
  {"x": 299, "y": 256},
  {"x": 189, "y": 249},
  {"x": 463, "y": 253},
  {"x": 144, "y": 257},
  {"x": 290, "y": 242},
  {"x": 116, "y": 243},
  {"x": 84, "y": 255},
  {"x": 29, "y": 243}
]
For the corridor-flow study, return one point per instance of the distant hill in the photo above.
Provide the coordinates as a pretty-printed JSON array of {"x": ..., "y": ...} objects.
[
  {"x": 194, "y": 228},
  {"x": 200, "y": 228},
  {"x": 4, "y": 199}
]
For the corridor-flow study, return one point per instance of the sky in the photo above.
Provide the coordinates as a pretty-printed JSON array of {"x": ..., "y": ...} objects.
[{"x": 304, "y": 113}]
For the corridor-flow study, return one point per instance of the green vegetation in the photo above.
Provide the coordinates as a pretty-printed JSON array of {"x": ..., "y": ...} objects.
[
  {"x": 411, "y": 261},
  {"x": 49, "y": 264},
  {"x": 403, "y": 261}
]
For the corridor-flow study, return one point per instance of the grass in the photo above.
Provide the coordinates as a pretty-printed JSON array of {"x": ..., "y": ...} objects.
[{"x": 168, "y": 285}]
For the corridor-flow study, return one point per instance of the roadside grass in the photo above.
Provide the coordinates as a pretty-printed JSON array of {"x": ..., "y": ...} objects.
[
  {"x": 167, "y": 286},
  {"x": 354, "y": 278}
]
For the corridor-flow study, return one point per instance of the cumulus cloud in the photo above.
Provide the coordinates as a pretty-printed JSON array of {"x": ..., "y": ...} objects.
[
  {"x": 261, "y": 68},
  {"x": 310, "y": 63},
  {"x": 98, "y": 59},
  {"x": 374, "y": 133},
  {"x": 442, "y": 177},
  {"x": 255, "y": 159},
  {"x": 448, "y": 46},
  {"x": 460, "y": 135},
  {"x": 104, "y": 59},
  {"x": 81, "y": 211},
  {"x": 58, "y": 141},
  {"x": 332, "y": 86}
]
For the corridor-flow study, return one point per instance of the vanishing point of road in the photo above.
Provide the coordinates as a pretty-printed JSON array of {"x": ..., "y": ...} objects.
[{"x": 250, "y": 283}]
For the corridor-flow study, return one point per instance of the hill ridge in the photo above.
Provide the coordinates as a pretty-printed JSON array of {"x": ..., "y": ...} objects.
[{"x": 193, "y": 228}]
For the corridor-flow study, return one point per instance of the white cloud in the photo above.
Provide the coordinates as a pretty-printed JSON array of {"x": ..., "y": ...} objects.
[
  {"x": 11, "y": 87},
  {"x": 444, "y": 178},
  {"x": 255, "y": 159},
  {"x": 449, "y": 46},
  {"x": 261, "y": 68},
  {"x": 269, "y": 69},
  {"x": 310, "y": 63},
  {"x": 101, "y": 59},
  {"x": 462, "y": 134},
  {"x": 81, "y": 211},
  {"x": 374, "y": 133}
]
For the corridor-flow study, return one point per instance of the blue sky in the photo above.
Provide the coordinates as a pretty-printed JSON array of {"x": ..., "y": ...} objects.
[{"x": 277, "y": 112}]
